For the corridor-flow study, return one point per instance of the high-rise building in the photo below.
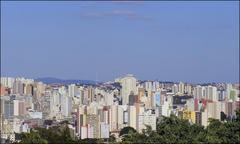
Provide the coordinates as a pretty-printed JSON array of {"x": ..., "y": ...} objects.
[
  {"x": 114, "y": 118},
  {"x": 132, "y": 116},
  {"x": 55, "y": 102},
  {"x": 188, "y": 89},
  {"x": 148, "y": 86},
  {"x": 7, "y": 108},
  {"x": 229, "y": 87},
  {"x": 175, "y": 89},
  {"x": 204, "y": 119},
  {"x": 72, "y": 90},
  {"x": 81, "y": 121},
  {"x": 3, "y": 90},
  {"x": 19, "y": 107},
  {"x": 18, "y": 87},
  {"x": 16, "y": 125},
  {"x": 90, "y": 94},
  {"x": 22, "y": 108},
  {"x": 221, "y": 95},
  {"x": 16, "y": 107},
  {"x": 66, "y": 105},
  {"x": 141, "y": 94},
  {"x": 212, "y": 93},
  {"x": 7, "y": 81},
  {"x": 157, "y": 98},
  {"x": 94, "y": 120},
  {"x": 104, "y": 130},
  {"x": 229, "y": 108},
  {"x": 181, "y": 88},
  {"x": 198, "y": 92},
  {"x": 189, "y": 115},
  {"x": 120, "y": 113},
  {"x": 106, "y": 115},
  {"x": 84, "y": 132},
  {"x": 129, "y": 84},
  {"x": 146, "y": 119},
  {"x": 166, "y": 108},
  {"x": 132, "y": 99},
  {"x": 28, "y": 89},
  {"x": 155, "y": 85},
  {"x": 90, "y": 131},
  {"x": 41, "y": 87},
  {"x": 233, "y": 94},
  {"x": 190, "y": 104}
]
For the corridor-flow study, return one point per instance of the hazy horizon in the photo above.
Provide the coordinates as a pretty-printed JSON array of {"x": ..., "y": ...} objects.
[
  {"x": 156, "y": 79},
  {"x": 195, "y": 42}
]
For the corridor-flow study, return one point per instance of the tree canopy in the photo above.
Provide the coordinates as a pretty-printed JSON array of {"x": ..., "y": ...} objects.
[{"x": 127, "y": 130}]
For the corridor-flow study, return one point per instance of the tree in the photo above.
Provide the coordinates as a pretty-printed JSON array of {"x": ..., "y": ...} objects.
[
  {"x": 223, "y": 116},
  {"x": 238, "y": 115},
  {"x": 32, "y": 138},
  {"x": 112, "y": 138},
  {"x": 56, "y": 134},
  {"x": 127, "y": 130}
]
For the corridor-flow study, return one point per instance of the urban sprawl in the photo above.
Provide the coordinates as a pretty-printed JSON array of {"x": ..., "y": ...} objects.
[{"x": 103, "y": 109}]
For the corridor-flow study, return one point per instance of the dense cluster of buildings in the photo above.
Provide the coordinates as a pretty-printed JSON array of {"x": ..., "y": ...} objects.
[{"x": 99, "y": 110}]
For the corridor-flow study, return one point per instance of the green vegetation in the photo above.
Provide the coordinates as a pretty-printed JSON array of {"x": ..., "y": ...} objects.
[
  {"x": 127, "y": 130},
  {"x": 169, "y": 130},
  {"x": 32, "y": 138},
  {"x": 174, "y": 130}
]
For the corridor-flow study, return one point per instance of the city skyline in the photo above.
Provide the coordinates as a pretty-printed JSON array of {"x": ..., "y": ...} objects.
[
  {"x": 55, "y": 80},
  {"x": 104, "y": 40},
  {"x": 105, "y": 110},
  {"x": 119, "y": 72}
]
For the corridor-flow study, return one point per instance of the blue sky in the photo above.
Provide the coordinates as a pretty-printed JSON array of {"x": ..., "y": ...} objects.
[{"x": 172, "y": 41}]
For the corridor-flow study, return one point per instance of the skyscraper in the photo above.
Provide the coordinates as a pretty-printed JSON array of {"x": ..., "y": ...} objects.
[
  {"x": 132, "y": 117},
  {"x": 104, "y": 130},
  {"x": 93, "y": 120},
  {"x": 128, "y": 85},
  {"x": 181, "y": 88},
  {"x": 212, "y": 93},
  {"x": 18, "y": 87},
  {"x": 72, "y": 90},
  {"x": 157, "y": 98}
]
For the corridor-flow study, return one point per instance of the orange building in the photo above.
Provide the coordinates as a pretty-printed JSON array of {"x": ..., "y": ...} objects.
[{"x": 3, "y": 90}]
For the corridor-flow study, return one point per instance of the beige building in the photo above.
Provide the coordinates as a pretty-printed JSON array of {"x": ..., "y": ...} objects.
[
  {"x": 129, "y": 84},
  {"x": 132, "y": 117}
]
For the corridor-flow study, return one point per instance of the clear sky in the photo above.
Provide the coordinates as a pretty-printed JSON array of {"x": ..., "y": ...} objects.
[{"x": 169, "y": 41}]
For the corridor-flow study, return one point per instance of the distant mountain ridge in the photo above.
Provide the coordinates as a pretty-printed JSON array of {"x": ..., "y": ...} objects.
[{"x": 51, "y": 80}]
